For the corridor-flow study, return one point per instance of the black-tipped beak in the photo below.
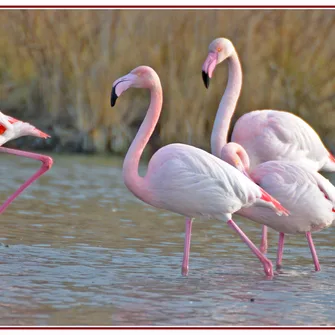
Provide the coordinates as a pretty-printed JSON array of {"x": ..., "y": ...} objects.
[
  {"x": 113, "y": 97},
  {"x": 205, "y": 78}
]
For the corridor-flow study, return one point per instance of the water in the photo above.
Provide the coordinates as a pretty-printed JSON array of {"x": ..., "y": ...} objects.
[{"x": 84, "y": 251}]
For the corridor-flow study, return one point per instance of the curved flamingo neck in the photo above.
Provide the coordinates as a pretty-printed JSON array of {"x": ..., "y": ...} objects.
[
  {"x": 227, "y": 105},
  {"x": 134, "y": 182}
]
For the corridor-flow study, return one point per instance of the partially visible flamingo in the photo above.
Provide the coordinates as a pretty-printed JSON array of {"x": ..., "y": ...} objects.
[
  {"x": 266, "y": 135},
  {"x": 184, "y": 179},
  {"x": 308, "y": 196},
  {"x": 10, "y": 129}
]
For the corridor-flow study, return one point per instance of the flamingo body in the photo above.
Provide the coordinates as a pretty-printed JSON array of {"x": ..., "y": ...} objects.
[
  {"x": 184, "y": 179},
  {"x": 189, "y": 181},
  {"x": 269, "y": 135},
  {"x": 266, "y": 135},
  {"x": 11, "y": 128},
  {"x": 308, "y": 196}
]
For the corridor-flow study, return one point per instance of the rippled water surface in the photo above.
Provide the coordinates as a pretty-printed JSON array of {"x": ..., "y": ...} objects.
[{"x": 82, "y": 250}]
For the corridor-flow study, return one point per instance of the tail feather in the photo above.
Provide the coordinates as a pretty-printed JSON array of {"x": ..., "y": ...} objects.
[
  {"x": 275, "y": 204},
  {"x": 32, "y": 130},
  {"x": 11, "y": 119},
  {"x": 329, "y": 165},
  {"x": 332, "y": 158},
  {"x": 41, "y": 134}
]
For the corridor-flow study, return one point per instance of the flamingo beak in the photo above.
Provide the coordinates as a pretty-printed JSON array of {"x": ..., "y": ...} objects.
[
  {"x": 114, "y": 96},
  {"x": 206, "y": 79},
  {"x": 208, "y": 68},
  {"x": 121, "y": 85}
]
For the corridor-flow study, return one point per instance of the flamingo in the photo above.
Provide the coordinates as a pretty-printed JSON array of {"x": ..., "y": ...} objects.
[
  {"x": 266, "y": 135},
  {"x": 309, "y": 197},
  {"x": 184, "y": 179},
  {"x": 10, "y": 129}
]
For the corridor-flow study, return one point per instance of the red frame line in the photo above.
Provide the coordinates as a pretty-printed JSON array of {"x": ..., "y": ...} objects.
[
  {"x": 167, "y": 327},
  {"x": 166, "y": 7}
]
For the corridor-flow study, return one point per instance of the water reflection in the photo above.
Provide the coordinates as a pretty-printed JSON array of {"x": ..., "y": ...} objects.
[{"x": 83, "y": 250}]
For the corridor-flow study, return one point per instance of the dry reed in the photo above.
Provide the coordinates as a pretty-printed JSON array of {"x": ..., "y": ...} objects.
[{"x": 58, "y": 66}]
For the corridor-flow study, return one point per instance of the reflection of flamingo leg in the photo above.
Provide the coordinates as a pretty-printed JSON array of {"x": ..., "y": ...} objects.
[
  {"x": 280, "y": 251},
  {"x": 187, "y": 246}
]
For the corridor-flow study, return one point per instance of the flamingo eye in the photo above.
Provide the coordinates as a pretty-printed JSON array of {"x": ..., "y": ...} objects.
[{"x": 219, "y": 49}]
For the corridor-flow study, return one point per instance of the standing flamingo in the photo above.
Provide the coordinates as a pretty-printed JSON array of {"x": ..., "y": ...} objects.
[
  {"x": 266, "y": 135},
  {"x": 308, "y": 196},
  {"x": 10, "y": 129},
  {"x": 184, "y": 179}
]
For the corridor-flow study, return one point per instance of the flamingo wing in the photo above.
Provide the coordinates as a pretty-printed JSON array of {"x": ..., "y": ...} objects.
[
  {"x": 308, "y": 196},
  {"x": 269, "y": 135},
  {"x": 189, "y": 181}
]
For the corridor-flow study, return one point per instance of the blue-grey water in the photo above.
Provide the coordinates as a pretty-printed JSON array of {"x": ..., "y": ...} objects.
[{"x": 82, "y": 250}]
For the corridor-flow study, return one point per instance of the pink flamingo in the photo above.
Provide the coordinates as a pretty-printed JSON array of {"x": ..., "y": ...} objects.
[
  {"x": 308, "y": 196},
  {"x": 266, "y": 135},
  {"x": 10, "y": 129},
  {"x": 184, "y": 179}
]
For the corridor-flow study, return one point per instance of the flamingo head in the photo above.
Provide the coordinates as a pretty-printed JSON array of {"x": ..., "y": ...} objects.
[
  {"x": 140, "y": 77},
  {"x": 11, "y": 128},
  {"x": 235, "y": 155},
  {"x": 219, "y": 50}
]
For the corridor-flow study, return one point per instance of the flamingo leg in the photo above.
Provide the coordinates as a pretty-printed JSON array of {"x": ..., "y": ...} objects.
[
  {"x": 264, "y": 242},
  {"x": 46, "y": 165},
  {"x": 187, "y": 246},
  {"x": 313, "y": 251},
  {"x": 280, "y": 251},
  {"x": 265, "y": 261}
]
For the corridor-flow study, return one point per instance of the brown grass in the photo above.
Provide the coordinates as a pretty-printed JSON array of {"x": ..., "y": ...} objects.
[{"x": 58, "y": 67}]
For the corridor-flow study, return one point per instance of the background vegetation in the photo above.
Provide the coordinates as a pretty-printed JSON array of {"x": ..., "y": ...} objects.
[{"x": 57, "y": 68}]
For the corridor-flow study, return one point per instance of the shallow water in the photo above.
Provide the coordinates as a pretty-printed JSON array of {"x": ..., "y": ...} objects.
[{"x": 84, "y": 251}]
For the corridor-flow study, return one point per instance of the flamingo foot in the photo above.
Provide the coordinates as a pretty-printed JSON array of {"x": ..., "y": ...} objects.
[
  {"x": 184, "y": 271},
  {"x": 268, "y": 268}
]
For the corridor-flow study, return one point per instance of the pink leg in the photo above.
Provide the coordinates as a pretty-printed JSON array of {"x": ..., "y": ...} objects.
[
  {"x": 280, "y": 250},
  {"x": 187, "y": 246},
  {"x": 264, "y": 243},
  {"x": 46, "y": 165},
  {"x": 314, "y": 255},
  {"x": 266, "y": 262}
]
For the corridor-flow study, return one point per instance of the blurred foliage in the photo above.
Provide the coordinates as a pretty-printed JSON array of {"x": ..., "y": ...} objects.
[{"x": 57, "y": 68}]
